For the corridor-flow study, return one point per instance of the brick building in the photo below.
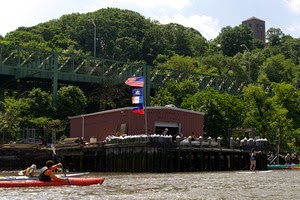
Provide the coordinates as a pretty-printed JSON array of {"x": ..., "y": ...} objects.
[{"x": 124, "y": 121}]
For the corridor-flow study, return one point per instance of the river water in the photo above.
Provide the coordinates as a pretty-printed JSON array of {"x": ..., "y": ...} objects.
[{"x": 279, "y": 184}]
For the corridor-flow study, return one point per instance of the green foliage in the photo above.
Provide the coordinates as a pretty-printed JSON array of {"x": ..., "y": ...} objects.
[
  {"x": 257, "y": 44},
  {"x": 222, "y": 111},
  {"x": 163, "y": 97},
  {"x": 272, "y": 116},
  {"x": 12, "y": 118},
  {"x": 231, "y": 39},
  {"x": 278, "y": 69},
  {"x": 291, "y": 50},
  {"x": 254, "y": 97},
  {"x": 220, "y": 65},
  {"x": 70, "y": 102},
  {"x": 174, "y": 93},
  {"x": 40, "y": 103},
  {"x": 62, "y": 138},
  {"x": 274, "y": 36},
  {"x": 293, "y": 141},
  {"x": 120, "y": 35},
  {"x": 186, "y": 64},
  {"x": 269, "y": 115},
  {"x": 288, "y": 97},
  {"x": 36, "y": 111}
]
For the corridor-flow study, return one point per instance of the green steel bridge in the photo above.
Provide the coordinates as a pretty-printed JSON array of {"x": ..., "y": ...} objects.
[{"x": 21, "y": 63}]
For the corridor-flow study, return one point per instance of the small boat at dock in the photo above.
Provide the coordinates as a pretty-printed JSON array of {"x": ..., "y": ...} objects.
[{"x": 280, "y": 166}]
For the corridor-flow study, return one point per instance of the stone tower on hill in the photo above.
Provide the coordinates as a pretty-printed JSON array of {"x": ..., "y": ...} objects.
[{"x": 257, "y": 26}]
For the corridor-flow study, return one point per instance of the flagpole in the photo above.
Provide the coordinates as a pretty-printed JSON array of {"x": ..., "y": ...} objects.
[
  {"x": 146, "y": 78},
  {"x": 145, "y": 107},
  {"x": 140, "y": 82}
]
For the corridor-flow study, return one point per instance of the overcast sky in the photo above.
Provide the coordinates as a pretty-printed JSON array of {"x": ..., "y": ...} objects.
[{"x": 207, "y": 16}]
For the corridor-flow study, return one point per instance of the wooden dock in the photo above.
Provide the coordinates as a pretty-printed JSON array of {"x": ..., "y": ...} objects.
[{"x": 159, "y": 154}]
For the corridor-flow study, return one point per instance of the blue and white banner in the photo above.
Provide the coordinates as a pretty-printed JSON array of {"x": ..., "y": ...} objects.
[
  {"x": 137, "y": 99},
  {"x": 137, "y": 92}
]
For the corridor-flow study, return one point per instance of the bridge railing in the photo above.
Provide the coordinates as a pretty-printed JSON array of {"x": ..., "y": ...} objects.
[{"x": 22, "y": 62}]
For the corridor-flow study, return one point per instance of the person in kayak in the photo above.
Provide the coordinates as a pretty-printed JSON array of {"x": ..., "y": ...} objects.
[
  {"x": 29, "y": 171},
  {"x": 47, "y": 172}
]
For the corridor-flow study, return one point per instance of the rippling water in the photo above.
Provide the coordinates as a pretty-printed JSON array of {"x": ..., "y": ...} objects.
[{"x": 280, "y": 184}]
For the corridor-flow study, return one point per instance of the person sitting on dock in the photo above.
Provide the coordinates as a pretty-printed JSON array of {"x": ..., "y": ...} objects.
[
  {"x": 165, "y": 133},
  {"x": 253, "y": 159},
  {"x": 193, "y": 136},
  {"x": 29, "y": 171},
  {"x": 46, "y": 173},
  {"x": 180, "y": 133}
]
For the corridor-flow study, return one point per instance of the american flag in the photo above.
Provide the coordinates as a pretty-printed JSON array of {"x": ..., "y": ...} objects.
[{"x": 135, "y": 81}]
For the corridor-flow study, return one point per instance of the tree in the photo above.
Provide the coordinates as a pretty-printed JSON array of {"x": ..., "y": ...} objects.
[
  {"x": 257, "y": 44},
  {"x": 288, "y": 97},
  {"x": 70, "y": 102},
  {"x": 48, "y": 125},
  {"x": 184, "y": 41},
  {"x": 274, "y": 36},
  {"x": 120, "y": 35},
  {"x": 39, "y": 103},
  {"x": 22, "y": 37},
  {"x": 256, "y": 60},
  {"x": 11, "y": 120},
  {"x": 231, "y": 39},
  {"x": 291, "y": 49},
  {"x": 220, "y": 65},
  {"x": 99, "y": 99},
  {"x": 174, "y": 93},
  {"x": 278, "y": 69},
  {"x": 162, "y": 97},
  {"x": 278, "y": 126},
  {"x": 268, "y": 116},
  {"x": 255, "y": 99},
  {"x": 222, "y": 111},
  {"x": 185, "y": 64},
  {"x": 284, "y": 119},
  {"x": 127, "y": 49}
]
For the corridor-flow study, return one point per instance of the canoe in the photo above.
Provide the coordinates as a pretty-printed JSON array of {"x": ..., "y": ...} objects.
[
  {"x": 295, "y": 168},
  {"x": 278, "y": 166},
  {"x": 37, "y": 183},
  {"x": 19, "y": 178}
]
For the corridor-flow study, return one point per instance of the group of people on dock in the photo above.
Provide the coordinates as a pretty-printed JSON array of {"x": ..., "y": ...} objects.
[{"x": 166, "y": 132}]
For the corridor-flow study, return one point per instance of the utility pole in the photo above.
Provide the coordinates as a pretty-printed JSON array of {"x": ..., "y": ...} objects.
[
  {"x": 249, "y": 58},
  {"x": 95, "y": 38}
]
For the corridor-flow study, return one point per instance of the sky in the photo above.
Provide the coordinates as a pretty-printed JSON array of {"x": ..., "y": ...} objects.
[{"x": 206, "y": 16}]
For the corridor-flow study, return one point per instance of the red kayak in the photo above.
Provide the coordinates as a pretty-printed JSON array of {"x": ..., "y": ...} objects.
[{"x": 37, "y": 183}]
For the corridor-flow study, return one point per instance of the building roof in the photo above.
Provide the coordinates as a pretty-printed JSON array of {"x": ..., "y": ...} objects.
[
  {"x": 253, "y": 18},
  {"x": 168, "y": 107}
]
